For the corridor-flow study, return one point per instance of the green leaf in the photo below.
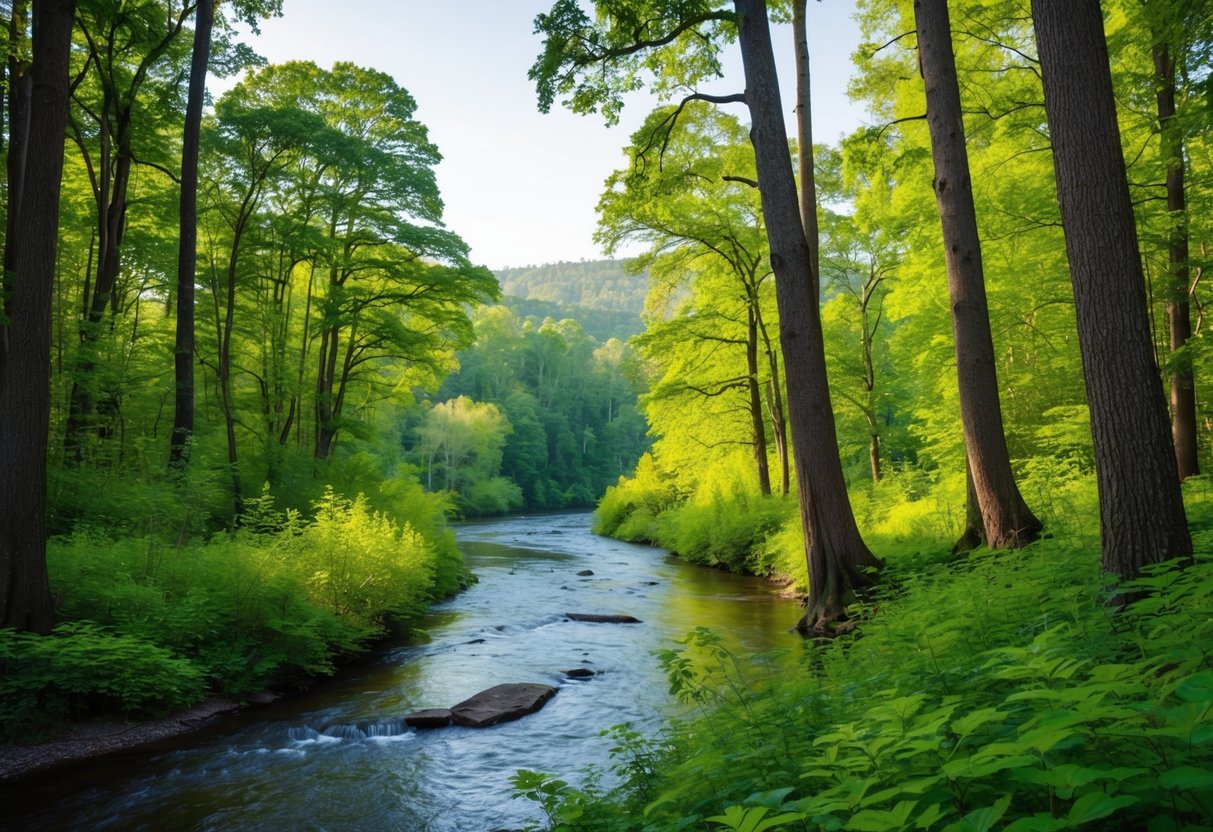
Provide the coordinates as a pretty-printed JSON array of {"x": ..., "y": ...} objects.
[
  {"x": 1187, "y": 777},
  {"x": 969, "y": 723},
  {"x": 1197, "y": 687},
  {"x": 1040, "y": 822},
  {"x": 981, "y": 820},
  {"x": 880, "y": 820},
  {"x": 1096, "y": 805}
]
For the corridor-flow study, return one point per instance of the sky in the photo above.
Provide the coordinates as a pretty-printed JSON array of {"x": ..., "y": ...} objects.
[{"x": 521, "y": 187}]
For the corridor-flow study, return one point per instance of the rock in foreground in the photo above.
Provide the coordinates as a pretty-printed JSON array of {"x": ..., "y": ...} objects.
[
  {"x": 429, "y": 718},
  {"x": 602, "y": 619},
  {"x": 501, "y": 703}
]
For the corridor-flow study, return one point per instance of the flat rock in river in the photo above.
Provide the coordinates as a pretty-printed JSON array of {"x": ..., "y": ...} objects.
[
  {"x": 429, "y": 718},
  {"x": 602, "y": 619},
  {"x": 501, "y": 703}
]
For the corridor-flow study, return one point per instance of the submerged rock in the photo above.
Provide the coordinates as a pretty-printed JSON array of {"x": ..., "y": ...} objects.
[
  {"x": 501, "y": 703},
  {"x": 602, "y": 619},
  {"x": 585, "y": 573},
  {"x": 579, "y": 673}
]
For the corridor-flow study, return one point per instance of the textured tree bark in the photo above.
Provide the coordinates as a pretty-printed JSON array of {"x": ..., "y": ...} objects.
[
  {"x": 1179, "y": 314},
  {"x": 187, "y": 250},
  {"x": 1006, "y": 518},
  {"x": 1141, "y": 512},
  {"x": 18, "y": 85},
  {"x": 839, "y": 561},
  {"x": 25, "y": 599}
]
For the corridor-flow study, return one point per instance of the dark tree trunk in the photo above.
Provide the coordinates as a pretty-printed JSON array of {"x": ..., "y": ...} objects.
[
  {"x": 974, "y": 532},
  {"x": 804, "y": 139},
  {"x": 25, "y": 599},
  {"x": 1141, "y": 511},
  {"x": 1179, "y": 315},
  {"x": 187, "y": 251},
  {"x": 18, "y": 99},
  {"x": 779, "y": 433},
  {"x": 1006, "y": 517},
  {"x": 839, "y": 561},
  {"x": 757, "y": 423}
]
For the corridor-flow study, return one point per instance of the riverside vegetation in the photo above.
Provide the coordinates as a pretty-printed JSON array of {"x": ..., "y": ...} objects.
[{"x": 1000, "y": 690}]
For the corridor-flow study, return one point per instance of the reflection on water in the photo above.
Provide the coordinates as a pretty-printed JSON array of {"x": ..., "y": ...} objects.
[{"x": 339, "y": 758}]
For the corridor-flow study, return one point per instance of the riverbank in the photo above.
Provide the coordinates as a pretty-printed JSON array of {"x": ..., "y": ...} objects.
[{"x": 86, "y": 741}]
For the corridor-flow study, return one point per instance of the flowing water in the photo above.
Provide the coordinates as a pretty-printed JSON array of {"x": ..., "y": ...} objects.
[{"x": 339, "y": 757}]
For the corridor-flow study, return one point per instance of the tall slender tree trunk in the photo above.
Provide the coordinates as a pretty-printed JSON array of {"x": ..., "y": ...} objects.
[
  {"x": 187, "y": 250},
  {"x": 1141, "y": 511},
  {"x": 839, "y": 561},
  {"x": 757, "y": 423},
  {"x": 779, "y": 433},
  {"x": 1179, "y": 314},
  {"x": 1007, "y": 520},
  {"x": 25, "y": 599},
  {"x": 804, "y": 139},
  {"x": 18, "y": 100}
]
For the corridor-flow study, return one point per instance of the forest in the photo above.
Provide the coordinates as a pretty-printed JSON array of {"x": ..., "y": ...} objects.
[{"x": 941, "y": 377}]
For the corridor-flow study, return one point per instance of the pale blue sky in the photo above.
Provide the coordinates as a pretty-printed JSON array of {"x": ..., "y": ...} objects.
[{"x": 519, "y": 186}]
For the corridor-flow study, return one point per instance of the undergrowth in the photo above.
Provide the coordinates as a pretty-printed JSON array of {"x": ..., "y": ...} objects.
[
  {"x": 1006, "y": 690},
  {"x": 151, "y": 625}
]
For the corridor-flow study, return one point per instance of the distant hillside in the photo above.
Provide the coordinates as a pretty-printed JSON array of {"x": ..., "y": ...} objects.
[
  {"x": 599, "y": 324},
  {"x": 591, "y": 284}
]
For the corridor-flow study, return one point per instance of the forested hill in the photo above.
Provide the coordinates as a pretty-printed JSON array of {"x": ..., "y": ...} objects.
[{"x": 600, "y": 294}]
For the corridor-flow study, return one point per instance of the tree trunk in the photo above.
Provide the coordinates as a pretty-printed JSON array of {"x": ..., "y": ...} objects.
[
  {"x": 19, "y": 90},
  {"x": 757, "y": 423},
  {"x": 25, "y": 599},
  {"x": 1008, "y": 521},
  {"x": 187, "y": 250},
  {"x": 839, "y": 561},
  {"x": 1179, "y": 315},
  {"x": 974, "y": 531},
  {"x": 804, "y": 139},
  {"x": 1142, "y": 518},
  {"x": 778, "y": 422}
]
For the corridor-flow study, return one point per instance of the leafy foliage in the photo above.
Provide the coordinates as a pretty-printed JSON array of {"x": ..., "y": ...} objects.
[{"x": 1008, "y": 691}]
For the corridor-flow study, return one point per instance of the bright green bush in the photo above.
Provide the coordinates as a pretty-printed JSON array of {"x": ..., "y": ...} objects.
[
  {"x": 629, "y": 510},
  {"x": 359, "y": 563}
]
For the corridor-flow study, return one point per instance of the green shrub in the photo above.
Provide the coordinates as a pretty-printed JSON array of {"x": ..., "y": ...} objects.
[{"x": 83, "y": 667}]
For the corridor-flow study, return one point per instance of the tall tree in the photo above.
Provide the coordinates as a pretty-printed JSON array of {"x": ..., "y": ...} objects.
[
  {"x": 700, "y": 216},
  {"x": 804, "y": 136},
  {"x": 1142, "y": 518},
  {"x": 25, "y": 600},
  {"x": 1007, "y": 520},
  {"x": 17, "y": 89},
  {"x": 1179, "y": 311},
  {"x": 839, "y": 560},
  {"x": 187, "y": 252},
  {"x": 595, "y": 64}
]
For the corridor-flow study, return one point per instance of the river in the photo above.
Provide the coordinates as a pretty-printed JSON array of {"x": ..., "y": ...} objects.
[{"x": 339, "y": 758}]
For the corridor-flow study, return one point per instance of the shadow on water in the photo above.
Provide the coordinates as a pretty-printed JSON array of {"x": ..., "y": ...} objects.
[{"x": 339, "y": 756}]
